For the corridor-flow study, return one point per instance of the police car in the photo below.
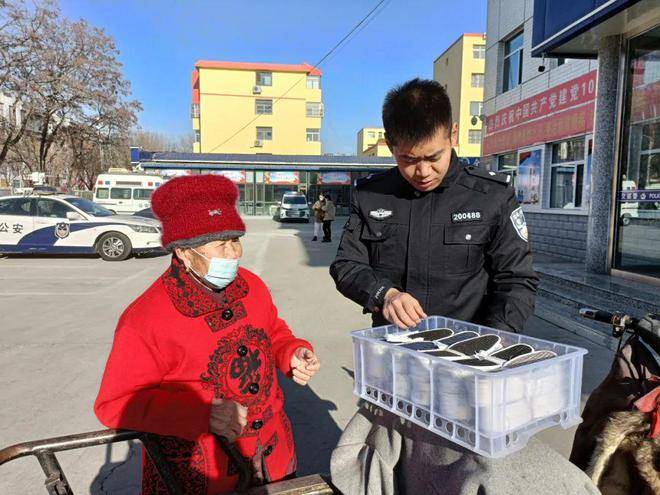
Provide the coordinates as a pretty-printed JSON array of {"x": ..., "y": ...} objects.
[{"x": 62, "y": 224}]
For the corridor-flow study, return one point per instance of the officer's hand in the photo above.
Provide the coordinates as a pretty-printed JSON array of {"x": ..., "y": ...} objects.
[
  {"x": 304, "y": 365},
  {"x": 227, "y": 419},
  {"x": 402, "y": 309}
]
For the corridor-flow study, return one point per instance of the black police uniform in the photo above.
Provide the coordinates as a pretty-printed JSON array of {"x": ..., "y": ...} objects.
[{"x": 461, "y": 250}]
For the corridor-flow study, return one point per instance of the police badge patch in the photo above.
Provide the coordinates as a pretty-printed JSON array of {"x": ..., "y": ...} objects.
[
  {"x": 62, "y": 230},
  {"x": 380, "y": 214},
  {"x": 519, "y": 223}
]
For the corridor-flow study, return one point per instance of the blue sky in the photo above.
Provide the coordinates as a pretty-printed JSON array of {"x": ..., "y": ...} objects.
[{"x": 160, "y": 40}]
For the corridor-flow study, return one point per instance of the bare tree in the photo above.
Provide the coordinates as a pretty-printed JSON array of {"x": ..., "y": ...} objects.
[{"x": 155, "y": 141}]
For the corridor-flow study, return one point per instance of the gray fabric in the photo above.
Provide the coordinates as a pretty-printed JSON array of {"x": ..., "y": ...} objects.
[
  {"x": 196, "y": 242},
  {"x": 382, "y": 454}
]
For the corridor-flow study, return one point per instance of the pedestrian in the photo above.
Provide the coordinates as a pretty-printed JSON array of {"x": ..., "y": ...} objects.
[
  {"x": 329, "y": 211},
  {"x": 194, "y": 358},
  {"x": 430, "y": 236},
  {"x": 318, "y": 217}
]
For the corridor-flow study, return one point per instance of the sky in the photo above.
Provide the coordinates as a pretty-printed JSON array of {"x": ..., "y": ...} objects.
[{"x": 160, "y": 41}]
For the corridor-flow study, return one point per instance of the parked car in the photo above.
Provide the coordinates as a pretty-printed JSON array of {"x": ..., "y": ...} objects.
[
  {"x": 293, "y": 207},
  {"x": 62, "y": 224},
  {"x": 146, "y": 213}
]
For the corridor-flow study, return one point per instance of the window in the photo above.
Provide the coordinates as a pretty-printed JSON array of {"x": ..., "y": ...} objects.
[
  {"x": 479, "y": 51},
  {"x": 142, "y": 194},
  {"x": 371, "y": 135},
  {"x": 566, "y": 174},
  {"x": 265, "y": 133},
  {"x": 381, "y": 134},
  {"x": 264, "y": 79},
  {"x": 476, "y": 108},
  {"x": 447, "y": 61},
  {"x": 474, "y": 137},
  {"x": 15, "y": 206},
  {"x": 561, "y": 61},
  {"x": 264, "y": 107},
  {"x": 313, "y": 135},
  {"x": 198, "y": 136},
  {"x": 313, "y": 82},
  {"x": 513, "y": 62},
  {"x": 508, "y": 164},
  {"x": 52, "y": 209},
  {"x": 102, "y": 193},
  {"x": 477, "y": 81},
  {"x": 90, "y": 207},
  {"x": 314, "y": 109},
  {"x": 120, "y": 193},
  {"x": 194, "y": 111}
]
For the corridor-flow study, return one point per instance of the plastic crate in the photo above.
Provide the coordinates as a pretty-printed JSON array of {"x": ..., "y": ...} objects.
[{"x": 491, "y": 413}]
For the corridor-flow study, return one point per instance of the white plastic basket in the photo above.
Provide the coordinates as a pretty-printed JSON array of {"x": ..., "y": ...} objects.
[{"x": 491, "y": 413}]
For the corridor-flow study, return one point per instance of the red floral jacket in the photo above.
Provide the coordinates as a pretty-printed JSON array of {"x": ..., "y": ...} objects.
[{"x": 178, "y": 346}]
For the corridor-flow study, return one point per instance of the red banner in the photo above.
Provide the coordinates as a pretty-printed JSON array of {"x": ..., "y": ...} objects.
[{"x": 563, "y": 111}]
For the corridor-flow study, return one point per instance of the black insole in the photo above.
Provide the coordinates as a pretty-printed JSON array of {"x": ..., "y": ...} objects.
[
  {"x": 458, "y": 337},
  {"x": 430, "y": 335},
  {"x": 470, "y": 347},
  {"x": 420, "y": 346},
  {"x": 513, "y": 351}
]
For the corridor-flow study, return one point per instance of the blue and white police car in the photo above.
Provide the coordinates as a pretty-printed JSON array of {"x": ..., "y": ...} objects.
[{"x": 61, "y": 224}]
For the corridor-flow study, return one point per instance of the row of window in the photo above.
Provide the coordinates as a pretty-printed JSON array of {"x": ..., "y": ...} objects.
[
  {"x": 123, "y": 193},
  {"x": 266, "y": 134},
  {"x": 45, "y": 207},
  {"x": 265, "y": 107},
  {"x": 568, "y": 173},
  {"x": 264, "y": 78}
]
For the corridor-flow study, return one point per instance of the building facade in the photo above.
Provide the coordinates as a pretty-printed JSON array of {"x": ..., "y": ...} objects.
[
  {"x": 460, "y": 69},
  {"x": 622, "y": 37},
  {"x": 256, "y": 108},
  {"x": 367, "y": 138},
  {"x": 544, "y": 126},
  {"x": 263, "y": 179}
]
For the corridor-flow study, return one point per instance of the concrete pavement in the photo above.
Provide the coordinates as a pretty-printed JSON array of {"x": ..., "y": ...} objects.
[{"x": 57, "y": 317}]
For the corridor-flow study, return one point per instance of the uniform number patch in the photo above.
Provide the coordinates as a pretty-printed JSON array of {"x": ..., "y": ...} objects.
[
  {"x": 519, "y": 223},
  {"x": 466, "y": 216}
]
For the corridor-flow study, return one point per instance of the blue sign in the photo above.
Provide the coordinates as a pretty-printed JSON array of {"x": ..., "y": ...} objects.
[
  {"x": 559, "y": 21},
  {"x": 640, "y": 195},
  {"x": 135, "y": 154}
]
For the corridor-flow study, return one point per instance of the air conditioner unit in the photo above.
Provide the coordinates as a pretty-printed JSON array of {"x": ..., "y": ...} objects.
[
  {"x": 258, "y": 143},
  {"x": 256, "y": 90}
]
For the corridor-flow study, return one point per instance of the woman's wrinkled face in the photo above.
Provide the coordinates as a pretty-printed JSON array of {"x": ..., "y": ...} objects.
[{"x": 199, "y": 261}]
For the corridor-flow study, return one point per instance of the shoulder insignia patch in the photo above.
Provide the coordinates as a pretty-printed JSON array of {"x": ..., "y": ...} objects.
[
  {"x": 519, "y": 223},
  {"x": 489, "y": 174}
]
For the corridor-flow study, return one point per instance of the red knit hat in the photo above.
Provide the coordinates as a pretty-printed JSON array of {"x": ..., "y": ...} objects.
[{"x": 197, "y": 209}]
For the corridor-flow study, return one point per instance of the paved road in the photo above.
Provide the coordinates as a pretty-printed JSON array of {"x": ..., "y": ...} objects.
[{"x": 57, "y": 317}]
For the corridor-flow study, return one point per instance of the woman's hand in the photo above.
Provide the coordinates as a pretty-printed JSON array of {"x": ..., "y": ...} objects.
[
  {"x": 227, "y": 419},
  {"x": 304, "y": 365}
]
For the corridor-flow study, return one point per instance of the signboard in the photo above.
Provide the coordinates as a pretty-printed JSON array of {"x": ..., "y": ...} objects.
[
  {"x": 285, "y": 178},
  {"x": 559, "y": 21},
  {"x": 236, "y": 176},
  {"x": 528, "y": 179},
  {"x": 640, "y": 195},
  {"x": 174, "y": 172},
  {"x": 334, "y": 178},
  {"x": 563, "y": 111}
]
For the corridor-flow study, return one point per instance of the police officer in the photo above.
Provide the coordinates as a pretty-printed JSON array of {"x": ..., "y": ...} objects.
[{"x": 431, "y": 236}]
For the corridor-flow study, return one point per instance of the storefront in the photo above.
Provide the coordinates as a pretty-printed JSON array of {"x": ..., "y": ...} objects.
[
  {"x": 619, "y": 168},
  {"x": 263, "y": 179}
]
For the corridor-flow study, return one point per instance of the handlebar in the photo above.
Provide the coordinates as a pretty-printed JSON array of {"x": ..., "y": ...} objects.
[{"x": 647, "y": 328}]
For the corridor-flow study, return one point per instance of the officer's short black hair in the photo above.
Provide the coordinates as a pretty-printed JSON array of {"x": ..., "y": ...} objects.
[{"x": 414, "y": 111}]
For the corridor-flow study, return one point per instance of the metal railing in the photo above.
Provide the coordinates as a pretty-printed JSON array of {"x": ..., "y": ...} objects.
[{"x": 56, "y": 482}]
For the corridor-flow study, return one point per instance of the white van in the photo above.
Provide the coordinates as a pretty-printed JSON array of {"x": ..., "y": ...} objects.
[{"x": 125, "y": 192}]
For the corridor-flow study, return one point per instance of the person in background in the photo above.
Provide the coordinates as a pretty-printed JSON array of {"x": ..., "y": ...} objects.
[
  {"x": 318, "y": 217},
  {"x": 194, "y": 358},
  {"x": 329, "y": 211}
]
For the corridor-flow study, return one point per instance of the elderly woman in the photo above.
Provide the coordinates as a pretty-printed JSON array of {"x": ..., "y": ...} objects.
[{"x": 194, "y": 358}]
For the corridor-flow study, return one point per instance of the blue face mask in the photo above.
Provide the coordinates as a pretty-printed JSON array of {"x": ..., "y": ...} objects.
[{"x": 221, "y": 272}]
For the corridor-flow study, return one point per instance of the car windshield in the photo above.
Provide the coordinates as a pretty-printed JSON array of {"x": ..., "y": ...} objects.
[
  {"x": 89, "y": 207},
  {"x": 294, "y": 200}
]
